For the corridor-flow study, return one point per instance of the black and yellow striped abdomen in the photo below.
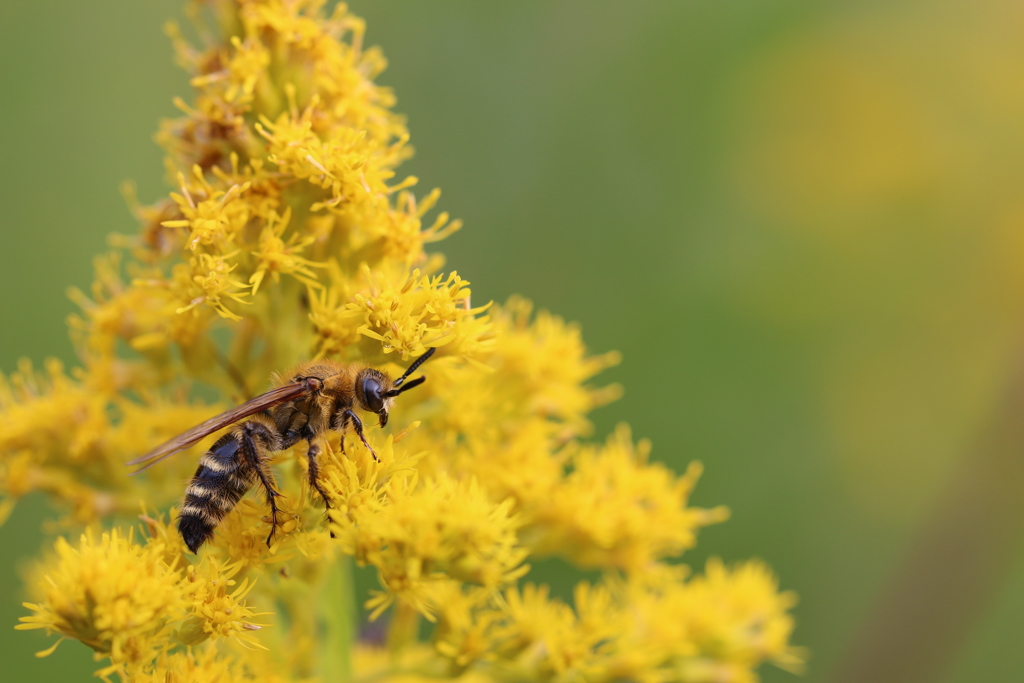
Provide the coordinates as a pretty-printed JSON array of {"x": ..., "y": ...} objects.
[{"x": 220, "y": 481}]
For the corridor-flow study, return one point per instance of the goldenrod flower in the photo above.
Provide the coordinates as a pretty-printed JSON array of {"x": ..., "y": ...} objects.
[
  {"x": 113, "y": 595},
  {"x": 440, "y": 529},
  {"x": 290, "y": 235},
  {"x": 739, "y": 615},
  {"x": 216, "y": 612},
  {"x": 130, "y": 602},
  {"x": 615, "y": 509},
  {"x": 277, "y": 257},
  {"x": 213, "y": 220}
]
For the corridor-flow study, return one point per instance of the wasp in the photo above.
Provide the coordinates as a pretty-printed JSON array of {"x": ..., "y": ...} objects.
[{"x": 321, "y": 396}]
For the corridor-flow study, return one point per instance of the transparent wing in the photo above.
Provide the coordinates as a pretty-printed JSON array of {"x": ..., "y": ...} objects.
[{"x": 218, "y": 422}]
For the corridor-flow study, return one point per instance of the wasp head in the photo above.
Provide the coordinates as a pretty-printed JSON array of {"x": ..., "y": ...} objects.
[{"x": 376, "y": 392}]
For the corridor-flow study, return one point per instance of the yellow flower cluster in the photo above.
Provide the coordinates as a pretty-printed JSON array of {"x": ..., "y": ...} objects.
[
  {"x": 128, "y": 603},
  {"x": 646, "y": 627},
  {"x": 289, "y": 237}
]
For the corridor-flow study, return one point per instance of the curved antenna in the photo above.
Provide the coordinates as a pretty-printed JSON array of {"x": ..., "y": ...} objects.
[
  {"x": 414, "y": 383},
  {"x": 415, "y": 364},
  {"x": 398, "y": 388}
]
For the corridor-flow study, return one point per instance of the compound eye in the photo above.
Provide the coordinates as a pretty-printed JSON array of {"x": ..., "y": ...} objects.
[{"x": 371, "y": 390}]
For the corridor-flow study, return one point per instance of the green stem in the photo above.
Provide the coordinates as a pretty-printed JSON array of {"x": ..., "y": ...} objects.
[
  {"x": 338, "y": 616},
  {"x": 404, "y": 627}
]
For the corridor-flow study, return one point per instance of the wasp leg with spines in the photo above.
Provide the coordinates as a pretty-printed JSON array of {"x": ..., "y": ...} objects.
[
  {"x": 252, "y": 453},
  {"x": 357, "y": 425},
  {"x": 314, "y": 475}
]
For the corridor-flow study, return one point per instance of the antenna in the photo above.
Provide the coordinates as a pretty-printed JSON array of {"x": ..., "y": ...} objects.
[{"x": 412, "y": 368}]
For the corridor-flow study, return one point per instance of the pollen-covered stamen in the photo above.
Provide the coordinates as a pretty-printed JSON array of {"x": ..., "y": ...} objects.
[
  {"x": 184, "y": 191},
  {"x": 320, "y": 167}
]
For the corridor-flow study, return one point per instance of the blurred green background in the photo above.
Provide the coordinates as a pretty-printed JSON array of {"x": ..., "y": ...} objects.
[{"x": 801, "y": 223}]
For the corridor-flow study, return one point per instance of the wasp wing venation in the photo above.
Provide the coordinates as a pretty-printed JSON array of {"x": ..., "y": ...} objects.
[{"x": 218, "y": 422}]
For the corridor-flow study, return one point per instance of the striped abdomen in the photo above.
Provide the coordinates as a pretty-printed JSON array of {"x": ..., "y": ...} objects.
[{"x": 221, "y": 480}]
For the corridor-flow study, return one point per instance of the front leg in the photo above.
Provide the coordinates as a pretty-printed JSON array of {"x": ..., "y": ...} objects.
[
  {"x": 357, "y": 425},
  {"x": 253, "y": 433}
]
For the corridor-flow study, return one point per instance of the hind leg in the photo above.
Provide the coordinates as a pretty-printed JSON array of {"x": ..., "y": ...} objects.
[
  {"x": 257, "y": 440},
  {"x": 315, "y": 447}
]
